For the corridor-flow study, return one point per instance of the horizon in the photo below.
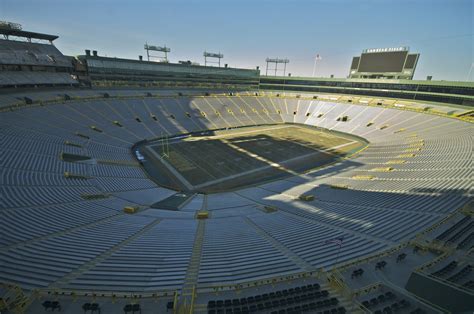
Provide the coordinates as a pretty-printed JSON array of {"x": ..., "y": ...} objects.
[{"x": 247, "y": 32}]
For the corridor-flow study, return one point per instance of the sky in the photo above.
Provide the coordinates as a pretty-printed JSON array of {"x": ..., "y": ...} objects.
[{"x": 248, "y": 31}]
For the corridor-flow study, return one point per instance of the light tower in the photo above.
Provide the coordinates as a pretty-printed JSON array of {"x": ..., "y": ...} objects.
[
  {"x": 163, "y": 49},
  {"x": 212, "y": 55},
  {"x": 276, "y": 61}
]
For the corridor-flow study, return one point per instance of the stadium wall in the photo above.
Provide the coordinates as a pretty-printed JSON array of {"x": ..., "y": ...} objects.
[
  {"x": 441, "y": 294},
  {"x": 105, "y": 71},
  {"x": 459, "y": 93}
]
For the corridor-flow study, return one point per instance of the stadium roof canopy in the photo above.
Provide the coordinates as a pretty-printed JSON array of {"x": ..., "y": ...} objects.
[{"x": 20, "y": 33}]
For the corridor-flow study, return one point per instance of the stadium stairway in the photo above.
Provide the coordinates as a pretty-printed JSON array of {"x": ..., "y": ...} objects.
[
  {"x": 188, "y": 291},
  {"x": 13, "y": 297},
  {"x": 339, "y": 290},
  {"x": 186, "y": 299}
]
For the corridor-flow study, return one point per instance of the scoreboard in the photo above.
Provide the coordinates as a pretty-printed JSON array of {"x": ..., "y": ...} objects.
[{"x": 388, "y": 63}]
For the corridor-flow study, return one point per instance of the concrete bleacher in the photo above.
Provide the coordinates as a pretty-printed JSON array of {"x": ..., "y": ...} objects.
[
  {"x": 49, "y": 259},
  {"x": 144, "y": 264},
  {"x": 234, "y": 252},
  {"x": 40, "y": 65},
  {"x": 28, "y": 53},
  {"x": 25, "y": 78},
  {"x": 79, "y": 244},
  {"x": 49, "y": 220}
]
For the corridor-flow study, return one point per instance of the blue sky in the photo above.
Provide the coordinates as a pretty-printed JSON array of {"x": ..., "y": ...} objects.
[{"x": 247, "y": 32}]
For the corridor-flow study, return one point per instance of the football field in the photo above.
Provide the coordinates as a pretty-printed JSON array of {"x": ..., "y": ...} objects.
[{"x": 235, "y": 158}]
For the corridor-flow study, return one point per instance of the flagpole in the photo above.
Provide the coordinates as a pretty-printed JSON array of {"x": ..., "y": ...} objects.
[
  {"x": 469, "y": 74},
  {"x": 316, "y": 59},
  {"x": 314, "y": 67}
]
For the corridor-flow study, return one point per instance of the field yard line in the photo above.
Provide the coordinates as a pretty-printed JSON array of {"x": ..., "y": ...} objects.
[
  {"x": 276, "y": 127},
  {"x": 180, "y": 140},
  {"x": 311, "y": 147},
  {"x": 345, "y": 138},
  {"x": 270, "y": 164},
  {"x": 171, "y": 169},
  {"x": 328, "y": 131}
]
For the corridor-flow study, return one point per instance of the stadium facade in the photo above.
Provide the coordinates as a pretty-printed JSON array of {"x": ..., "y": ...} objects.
[{"x": 85, "y": 227}]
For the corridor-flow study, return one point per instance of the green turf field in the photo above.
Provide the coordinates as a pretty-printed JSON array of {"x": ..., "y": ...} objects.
[{"x": 240, "y": 157}]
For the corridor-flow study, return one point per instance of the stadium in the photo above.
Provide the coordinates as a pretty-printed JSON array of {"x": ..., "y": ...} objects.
[{"x": 136, "y": 186}]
